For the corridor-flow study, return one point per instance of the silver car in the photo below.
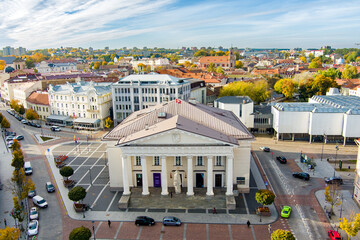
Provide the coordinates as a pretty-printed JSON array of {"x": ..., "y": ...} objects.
[
  {"x": 171, "y": 221},
  {"x": 34, "y": 214}
]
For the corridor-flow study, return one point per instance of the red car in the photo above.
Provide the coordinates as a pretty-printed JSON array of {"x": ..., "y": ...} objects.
[{"x": 334, "y": 235}]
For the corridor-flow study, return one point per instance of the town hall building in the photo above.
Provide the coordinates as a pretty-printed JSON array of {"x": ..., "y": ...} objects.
[{"x": 208, "y": 147}]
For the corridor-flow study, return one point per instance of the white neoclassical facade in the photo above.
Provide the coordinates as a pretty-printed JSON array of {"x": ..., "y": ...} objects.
[{"x": 209, "y": 147}]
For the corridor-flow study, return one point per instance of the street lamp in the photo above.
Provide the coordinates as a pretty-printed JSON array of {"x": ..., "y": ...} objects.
[
  {"x": 322, "y": 148},
  {"x": 93, "y": 228},
  {"x": 336, "y": 149}
]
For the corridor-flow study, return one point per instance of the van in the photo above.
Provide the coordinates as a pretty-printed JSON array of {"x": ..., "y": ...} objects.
[{"x": 27, "y": 168}]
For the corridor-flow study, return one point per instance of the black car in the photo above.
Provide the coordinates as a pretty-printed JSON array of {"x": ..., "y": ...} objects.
[
  {"x": 334, "y": 180},
  {"x": 49, "y": 187},
  {"x": 265, "y": 149},
  {"x": 301, "y": 175},
  {"x": 281, "y": 159},
  {"x": 32, "y": 124},
  {"x": 143, "y": 220},
  {"x": 37, "y": 125}
]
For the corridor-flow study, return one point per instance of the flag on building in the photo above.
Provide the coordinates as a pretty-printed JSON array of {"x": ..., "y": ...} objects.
[{"x": 178, "y": 101}]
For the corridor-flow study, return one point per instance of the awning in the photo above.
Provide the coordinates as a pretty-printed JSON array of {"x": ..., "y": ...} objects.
[
  {"x": 59, "y": 117},
  {"x": 87, "y": 120}
]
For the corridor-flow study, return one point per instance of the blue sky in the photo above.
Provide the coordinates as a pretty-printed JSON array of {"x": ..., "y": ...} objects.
[{"x": 171, "y": 23}]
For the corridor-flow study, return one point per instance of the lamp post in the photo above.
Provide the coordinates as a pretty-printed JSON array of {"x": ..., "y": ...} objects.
[
  {"x": 336, "y": 149},
  {"x": 322, "y": 148},
  {"x": 93, "y": 226}
]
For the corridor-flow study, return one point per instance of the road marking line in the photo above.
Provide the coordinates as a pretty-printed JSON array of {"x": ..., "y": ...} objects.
[
  {"x": 112, "y": 200},
  {"x": 118, "y": 230},
  {"x": 98, "y": 226},
  {"x": 138, "y": 236},
  {"x": 185, "y": 226},
  {"x": 85, "y": 159},
  {"x": 253, "y": 232},
  {"x": 97, "y": 198},
  {"x": 162, "y": 232},
  {"x": 230, "y": 232},
  {"x": 99, "y": 173},
  {"x": 246, "y": 206}
]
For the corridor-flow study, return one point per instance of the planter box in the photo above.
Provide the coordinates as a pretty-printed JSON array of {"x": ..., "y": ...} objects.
[{"x": 263, "y": 211}]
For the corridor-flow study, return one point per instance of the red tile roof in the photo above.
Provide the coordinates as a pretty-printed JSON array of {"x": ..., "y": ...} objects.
[
  {"x": 38, "y": 98},
  {"x": 214, "y": 59}
]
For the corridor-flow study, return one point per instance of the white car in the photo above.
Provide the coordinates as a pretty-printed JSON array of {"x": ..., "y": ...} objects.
[
  {"x": 9, "y": 145},
  {"x": 40, "y": 202},
  {"x": 33, "y": 228},
  {"x": 34, "y": 214},
  {"x": 9, "y": 138},
  {"x": 265, "y": 149}
]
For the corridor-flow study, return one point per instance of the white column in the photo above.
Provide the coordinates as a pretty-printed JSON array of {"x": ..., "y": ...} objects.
[
  {"x": 125, "y": 175},
  {"x": 164, "y": 184},
  {"x": 190, "y": 181},
  {"x": 210, "y": 179},
  {"x": 144, "y": 176},
  {"x": 229, "y": 175}
]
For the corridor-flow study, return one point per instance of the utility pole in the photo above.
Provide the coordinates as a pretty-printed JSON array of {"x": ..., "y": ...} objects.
[{"x": 336, "y": 149}]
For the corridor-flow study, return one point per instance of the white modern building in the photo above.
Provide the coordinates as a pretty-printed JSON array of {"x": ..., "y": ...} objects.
[
  {"x": 153, "y": 62},
  {"x": 357, "y": 176},
  {"x": 135, "y": 92},
  {"x": 209, "y": 147},
  {"x": 52, "y": 67},
  {"x": 241, "y": 106},
  {"x": 87, "y": 102},
  {"x": 332, "y": 116}
]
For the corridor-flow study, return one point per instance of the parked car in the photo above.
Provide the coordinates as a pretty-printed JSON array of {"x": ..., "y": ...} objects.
[
  {"x": 19, "y": 137},
  {"x": 9, "y": 144},
  {"x": 301, "y": 175},
  {"x": 285, "y": 212},
  {"x": 37, "y": 125},
  {"x": 10, "y": 134},
  {"x": 33, "y": 228},
  {"x": 334, "y": 180},
  {"x": 143, "y": 220},
  {"x": 40, "y": 201},
  {"x": 50, "y": 187},
  {"x": 265, "y": 149},
  {"x": 9, "y": 138},
  {"x": 34, "y": 214},
  {"x": 171, "y": 221},
  {"x": 24, "y": 121},
  {"x": 55, "y": 129},
  {"x": 334, "y": 235},
  {"x": 31, "y": 193},
  {"x": 281, "y": 159}
]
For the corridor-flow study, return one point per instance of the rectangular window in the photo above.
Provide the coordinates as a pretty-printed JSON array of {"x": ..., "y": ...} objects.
[
  {"x": 138, "y": 161},
  {"x": 178, "y": 161},
  {"x": 240, "y": 180},
  {"x": 218, "y": 161},
  {"x": 156, "y": 160},
  {"x": 199, "y": 161}
]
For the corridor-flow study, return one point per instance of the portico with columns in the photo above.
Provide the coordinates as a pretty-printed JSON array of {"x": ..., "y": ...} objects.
[{"x": 147, "y": 155}]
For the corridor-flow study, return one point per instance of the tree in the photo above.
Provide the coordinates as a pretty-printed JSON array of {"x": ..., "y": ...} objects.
[
  {"x": 21, "y": 109},
  {"x": 239, "y": 64},
  {"x": 211, "y": 68},
  {"x": 21, "y": 185},
  {"x": 18, "y": 158},
  {"x": 315, "y": 64},
  {"x": 351, "y": 226},
  {"x": 14, "y": 104},
  {"x": 331, "y": 73},
  {"x": 30, "y": 114},
  {"x": 219, "y": 70},
  {"x": 5, "y": 123},
  {"x": 29, "y": 63},
  {"x": 278, "y": 85},
  {"x": 281, "y": 234},
  {"x": 9, "y": 69},
  {"x": 97, "y": 65},
  {"x": 303, "y": 59},
  {"x": 109, "y": 123},
  {"x": 201, "y": 53},
  {"x": 18, "y": 212},
  {"x": 265, "y": 197},
  {"x": 318, "y": 86},
  {"x": 350, "y": 72},
  {"x": 9, "y": 233},
  {"x": 256, "y": 91},
  {"x": 2, "y": 64},
  {"x": 66, "y": 171},
  {"x": 289, "y": 88},
  {"x": 332, "y": 196},
  {"x": 80, "y": 233},
  {"x": 77, "y": 194},
  {"x": 1, "y": 117}
]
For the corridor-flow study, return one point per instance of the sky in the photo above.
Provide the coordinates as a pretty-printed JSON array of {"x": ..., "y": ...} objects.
[{"x": 36, "y": 24}]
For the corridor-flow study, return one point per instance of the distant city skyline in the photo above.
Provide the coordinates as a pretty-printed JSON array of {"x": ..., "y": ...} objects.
[{"x": 36, "y": 24}]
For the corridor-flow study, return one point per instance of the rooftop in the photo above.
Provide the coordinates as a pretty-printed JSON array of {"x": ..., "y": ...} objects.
[
  {"x": 234, "y": 99},
  {"x": 82, "y": 88},
  {"x": 152, "y": 79}
]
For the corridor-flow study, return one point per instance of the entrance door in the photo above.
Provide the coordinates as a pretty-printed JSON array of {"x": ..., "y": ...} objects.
[
  {"x": 218, "y": 180},
  {"x": 139, "y": 180},
  {"x": 199, "y": 180},
  {"x": 157, "y": 179}
]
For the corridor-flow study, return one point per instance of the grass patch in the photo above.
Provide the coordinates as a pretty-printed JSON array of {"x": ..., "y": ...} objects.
[{"x": 45, "y": 138}]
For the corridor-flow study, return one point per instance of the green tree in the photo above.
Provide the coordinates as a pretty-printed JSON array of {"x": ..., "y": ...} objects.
[
  {"x": 109, "y": 123},
  {"x": 211, "y": 68},
  {"x": 351, "y": 226},
  {"x": 30, "y": 114},
  {"x": 77, "y": 194},
  {"x": 5, "y": 123},
  {"x": 331, "y": 73},
  {"x": 265, "y": 197},
  {"x": 97, "y": 65},
  {"x": 21, "y": 109},
  {"x": 350, "y": 72},
  {"x": 315, "y": 64},
  {"x": 9, "y": 69},
  {"x": 219, "y": 70},
  {"x": 18, "y": 212},
  {"x": 80, "y": 233},
  {"x": 332, "y": 196},
  {"x": 281, "y": 234},
  {"x": 29, "y": 63},
  {"x": 18, "y": 159},
  {"x": 9, "y": 233},
  {"x": 21, "y": 185},
  {"x": 66, "y": 171},
  {"x": 256, "y": 91},
  {"x": 1, "y": 117},
  {"x": 278, "y": 85},
  {"x": 239, "y": 64},
  {"x": 303, "y": 59},
  {"x": 201, "y": 53}
]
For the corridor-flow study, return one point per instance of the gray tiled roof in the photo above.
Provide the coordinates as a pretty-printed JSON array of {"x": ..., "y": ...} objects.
[{"x": 195, "y": 118}]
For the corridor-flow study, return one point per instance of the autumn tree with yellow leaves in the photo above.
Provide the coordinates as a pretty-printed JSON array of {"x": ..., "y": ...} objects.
[{"x": 351, "y": 226}]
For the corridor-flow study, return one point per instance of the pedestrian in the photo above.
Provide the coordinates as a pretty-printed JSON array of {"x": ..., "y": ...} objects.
[
  {"x": 248, "y": 223},
  {"x": 214, "y": 211},
  {"x": 269, "y": 228},
  {"x": 109, "y": 223},
  {"x": 5, "y": 222},
  {"x": 170, "y": 194}
]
